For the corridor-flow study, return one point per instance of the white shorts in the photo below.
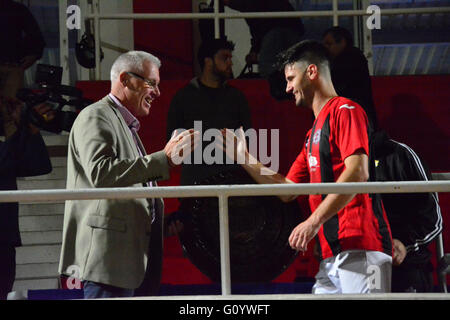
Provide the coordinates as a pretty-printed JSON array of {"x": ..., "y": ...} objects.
[{"x": 354, "y": 271}]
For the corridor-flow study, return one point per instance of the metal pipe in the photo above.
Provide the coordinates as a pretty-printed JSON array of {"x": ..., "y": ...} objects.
[
  {"x": 97, "y": 39},
  {"x": 225, "y": 190},
  {"x": 441, "y": 176},
  {"x": 439, "y": 255},
  {"x": 242, "y": 15},
  {"x": 335, "y": 13},
  {"x": 216, "y": 20},
  {"x": 224, "y": 246},
  {"x": 64, "y": 42}
]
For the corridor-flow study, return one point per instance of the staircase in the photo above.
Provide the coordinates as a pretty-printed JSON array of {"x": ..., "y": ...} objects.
[{"x": 41, "y": 225}]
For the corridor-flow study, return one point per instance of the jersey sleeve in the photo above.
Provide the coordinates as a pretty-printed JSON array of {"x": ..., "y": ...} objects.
[
  {"x": 351, "y": 134},
  {"x": 299, "y": 172}
]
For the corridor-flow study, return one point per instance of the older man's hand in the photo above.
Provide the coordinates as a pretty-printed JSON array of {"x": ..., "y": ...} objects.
[{"x": 181, "y": 146}]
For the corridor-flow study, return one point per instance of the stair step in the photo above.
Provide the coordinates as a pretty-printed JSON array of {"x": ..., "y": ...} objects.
[
  {"x": 38, "y": 254},
  {"x": 57, "y": 173},
  {"x": 37, "y": 270},
  {"x": 36, "y": 284},
  {"x": 56, "y": 140},
  {"x": 58, "y": 162},
  {"x": 40, "y": 184},
  {"x": 41, "y": 237},
  {"x": 41, "y": 223},
  {"x": 41, "y": 209}
]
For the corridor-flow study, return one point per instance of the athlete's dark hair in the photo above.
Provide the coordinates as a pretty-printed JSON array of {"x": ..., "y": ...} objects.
[
  {"x": 209, "y": 48},
  {"x": 339, "y": 34},
  {"x": 309, "y": 51}
]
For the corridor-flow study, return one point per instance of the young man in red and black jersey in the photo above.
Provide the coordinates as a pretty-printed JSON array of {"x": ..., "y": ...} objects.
[{"x": 353, "y": 231}]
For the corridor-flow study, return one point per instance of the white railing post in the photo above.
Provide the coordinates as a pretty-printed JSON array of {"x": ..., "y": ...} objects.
[
  {"x": 224, "y": 245},
  {"x": 335, "y": 13},
  {"x": 216, "y": 20},
  {"x": 367, "y": 39},
  {"x": 64, "y": 42},
  {"x": 96, "y": 5}
]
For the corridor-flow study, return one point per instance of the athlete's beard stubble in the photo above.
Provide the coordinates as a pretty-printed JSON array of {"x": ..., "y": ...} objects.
[{"x": 307, "y": 96}]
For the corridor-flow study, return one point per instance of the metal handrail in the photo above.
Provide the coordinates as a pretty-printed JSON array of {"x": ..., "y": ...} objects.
[
  {"x": 261, "y": 15},
  {"x": 45, "y": 195},
  {"x": 223, "y": 192},
  {"x": 216, "y": 15}
]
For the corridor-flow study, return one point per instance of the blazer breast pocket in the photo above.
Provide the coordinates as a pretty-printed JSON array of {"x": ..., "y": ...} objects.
[{"x": 106, "y": 223}]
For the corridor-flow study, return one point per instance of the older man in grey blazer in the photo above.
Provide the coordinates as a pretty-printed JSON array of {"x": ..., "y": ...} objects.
[{"x": 107, "y": 241}]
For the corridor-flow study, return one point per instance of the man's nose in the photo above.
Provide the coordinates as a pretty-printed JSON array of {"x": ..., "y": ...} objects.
[
  {"x": 288, "y": 88},
  {"x": 155, "y": 92}
]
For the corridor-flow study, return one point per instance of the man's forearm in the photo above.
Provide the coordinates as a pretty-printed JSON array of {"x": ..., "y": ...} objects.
[
  {"x": 333, "y": 203},
  {"x": 330, "y": 206},
  {"x": 263, "y": 175}
]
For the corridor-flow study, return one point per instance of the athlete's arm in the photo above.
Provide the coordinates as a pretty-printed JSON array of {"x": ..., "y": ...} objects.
[
  {"x": 260, "y": 173},
  {"x": 356, "y": 170},
  {"x": 263, "y": 175}
]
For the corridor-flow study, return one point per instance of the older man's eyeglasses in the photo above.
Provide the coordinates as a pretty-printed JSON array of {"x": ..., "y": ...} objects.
[{"x": 150, "y": 83}]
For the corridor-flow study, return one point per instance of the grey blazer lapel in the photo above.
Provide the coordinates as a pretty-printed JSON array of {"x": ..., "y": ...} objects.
[
  {"x": 126, "y": 131},
  {"x": 141, "y": 145}
]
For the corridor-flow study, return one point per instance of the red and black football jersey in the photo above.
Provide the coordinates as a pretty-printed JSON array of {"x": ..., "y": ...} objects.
[{"x": 339, "y": 131}]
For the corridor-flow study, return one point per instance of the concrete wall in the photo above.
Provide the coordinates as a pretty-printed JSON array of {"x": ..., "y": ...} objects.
[{"x": 237, "y": 31}]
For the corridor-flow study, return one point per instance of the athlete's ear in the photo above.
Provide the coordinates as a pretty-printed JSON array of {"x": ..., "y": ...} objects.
[{"x": 312, "y": 71}]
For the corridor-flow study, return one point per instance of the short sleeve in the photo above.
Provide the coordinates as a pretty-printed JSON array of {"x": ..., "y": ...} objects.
[
  {"x": 351, "y": 130},
  {"x": 299, "y": 172}
]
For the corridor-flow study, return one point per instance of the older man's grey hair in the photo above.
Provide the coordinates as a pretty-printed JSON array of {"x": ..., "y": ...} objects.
[{"x": 132, "y": 61}]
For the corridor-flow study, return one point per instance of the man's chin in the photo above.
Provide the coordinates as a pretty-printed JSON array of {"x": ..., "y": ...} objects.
[{"x": 144, "y": 111}]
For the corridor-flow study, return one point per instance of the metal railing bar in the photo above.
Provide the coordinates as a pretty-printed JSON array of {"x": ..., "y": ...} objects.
[
  {"x": 281, "y": 14},
  {"x": 223, "y": 192},
  {"x": 440, "y": 175},
  {"x": 45, "y": 195}
]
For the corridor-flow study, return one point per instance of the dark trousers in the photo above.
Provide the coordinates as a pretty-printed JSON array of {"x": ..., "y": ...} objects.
[
  {"x": 94, "y": 290},
  {"x": 152, "y": 279},
  {"x": 412, "y": 279},
  {"x": 7, "y": 269}
]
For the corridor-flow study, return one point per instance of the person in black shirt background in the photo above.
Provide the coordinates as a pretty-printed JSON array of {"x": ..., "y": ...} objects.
[
  {"x": 349, "y": 70},
  {"x": 22, "y": 45},
  {"x": 209, "y": 99},
  {"x": 22, "y": 154},
  {"x": 415, "y": 218}
]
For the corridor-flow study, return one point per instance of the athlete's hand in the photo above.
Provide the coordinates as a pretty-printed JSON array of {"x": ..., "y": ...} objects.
[
  {"x": 399, "y": 252},
  {"x": 303, "y": 234},
  {"x": 234, "y": 145}
]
